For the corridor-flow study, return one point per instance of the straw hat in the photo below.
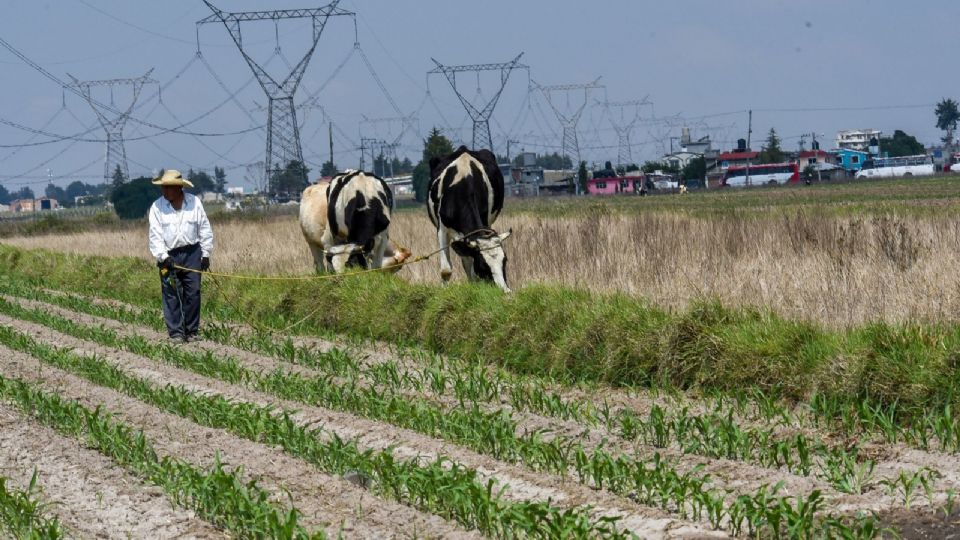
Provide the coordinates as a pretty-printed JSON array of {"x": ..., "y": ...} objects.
[{"x": 172, "y": 177}]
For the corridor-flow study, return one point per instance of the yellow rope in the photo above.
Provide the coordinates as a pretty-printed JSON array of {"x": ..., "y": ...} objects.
[
  {"x": 306, "y": 278},
  {"x": 321, "y": 277}
]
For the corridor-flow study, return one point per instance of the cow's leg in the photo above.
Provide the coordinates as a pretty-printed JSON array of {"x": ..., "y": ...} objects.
[
  {"x": 445, "y": 269},
  {"x": 379, "y": 248},
  {"x": 326, "y": 244},
  {"x": 319, "y": 261},
  {"x": 467, "y": 263}
]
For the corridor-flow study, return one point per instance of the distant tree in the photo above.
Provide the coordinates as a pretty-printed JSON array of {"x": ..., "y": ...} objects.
[
  {"x": 649, "y": 167},
  {"x": 219, "y": 180},
  {"x": 901, "y": 144},
  {"x": 131, "y": 200},
  {"x": 772, "y": 153},
  {"x": 289, "y": 182},
  {"x": 406, "y": 166},
  {"x": 696, "y": 169},
  {"x": 97, "y": 189},
  {"x": 583, "y": 176},
  {"x": 328, "y": 169},
  {"x": 947, "y": 117},
  {"x": 76, "y": 189},
  {"x": 5, "y": 197},
  {"x": 118, "y": 177},
  {"x": 809, "y": 172},
  {"x": 436, "y": 145},
  {"x": 58, "y": 193},
  {"x": 24, "y": 193},
  {"x": 202, "y": 183}
]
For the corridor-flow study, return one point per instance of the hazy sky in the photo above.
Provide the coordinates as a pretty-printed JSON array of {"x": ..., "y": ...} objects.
[{"x": 802, "y": 67}]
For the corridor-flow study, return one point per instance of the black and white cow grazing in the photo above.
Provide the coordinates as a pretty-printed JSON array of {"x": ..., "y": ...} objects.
[
  {"x": 465, "y": 199},
  {"x": 358, "y": 216}
]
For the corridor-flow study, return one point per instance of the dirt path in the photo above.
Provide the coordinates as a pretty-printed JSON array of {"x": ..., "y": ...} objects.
[
  {"x": 91, "y": 496},
  {"x": 325, "y": 501},
  {"x": 405, "y": 444}
]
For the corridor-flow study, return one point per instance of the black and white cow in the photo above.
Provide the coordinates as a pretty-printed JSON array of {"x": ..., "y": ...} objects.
[
  {"x": 465, "y": 199},
  {"x": 359, "y": 205}
]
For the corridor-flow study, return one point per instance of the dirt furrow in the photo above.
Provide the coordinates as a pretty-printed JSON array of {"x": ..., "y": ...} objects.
[
  {"x": 523, "y": 484},
  {"x": 91, "y": 496},
  {"x": 325, "y": 501}
]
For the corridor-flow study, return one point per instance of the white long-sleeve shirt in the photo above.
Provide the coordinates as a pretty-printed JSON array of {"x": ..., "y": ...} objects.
[{"x": 171, "y": 228}]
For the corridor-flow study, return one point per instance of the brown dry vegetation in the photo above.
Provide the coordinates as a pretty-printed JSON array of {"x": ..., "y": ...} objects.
[{"x": 840, "y": 270}]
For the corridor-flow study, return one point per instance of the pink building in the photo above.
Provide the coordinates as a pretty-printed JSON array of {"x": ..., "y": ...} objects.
[{"x": 612, "y": 186}]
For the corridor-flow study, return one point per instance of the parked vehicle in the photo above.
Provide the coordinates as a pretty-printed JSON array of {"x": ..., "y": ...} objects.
[
  {"x": 896, "y": 166},
  {"x": 760, "y": 175}
]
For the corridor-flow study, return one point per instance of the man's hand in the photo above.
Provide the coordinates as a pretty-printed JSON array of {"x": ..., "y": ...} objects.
[
  {"x": 166, "y": 264},
  {"x": 204, "y": 264}
]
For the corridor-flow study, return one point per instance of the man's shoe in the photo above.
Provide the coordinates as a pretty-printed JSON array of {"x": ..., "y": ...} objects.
[
  {"x": 192, "y": 338},
  {"x": 176, "y": 340}
]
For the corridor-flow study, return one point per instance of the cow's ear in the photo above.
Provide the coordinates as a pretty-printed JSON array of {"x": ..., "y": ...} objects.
[{"x": 504, "y": 236}]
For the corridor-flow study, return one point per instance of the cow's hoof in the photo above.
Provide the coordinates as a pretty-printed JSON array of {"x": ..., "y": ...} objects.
[{"x": 445, "y": 274}]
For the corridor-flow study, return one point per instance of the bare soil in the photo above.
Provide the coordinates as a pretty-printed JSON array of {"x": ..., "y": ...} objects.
[
  {"x": 326, "y": 501},
  {"x": 90, "y": 495},
  {"x": 405, "y": 444}
]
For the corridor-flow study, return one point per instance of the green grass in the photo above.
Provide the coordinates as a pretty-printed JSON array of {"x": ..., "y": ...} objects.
[
  {"x": 571, "y": 336},
  {"x": 21, "y": 513}
]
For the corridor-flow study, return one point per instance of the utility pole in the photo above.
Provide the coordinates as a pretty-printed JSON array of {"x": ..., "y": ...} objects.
[
  {"x": 480, "y": 115},
  {"x": 330, "y": 135},
  {"x": 283, "y": 132},
  {"x": 116, "y": 154},
  {"x": 816, "y": 154},
  {"x": 749, "y": 131},
  {"x": 509, "y": 142}
]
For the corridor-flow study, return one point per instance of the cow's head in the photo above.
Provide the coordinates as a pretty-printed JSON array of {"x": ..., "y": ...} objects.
[
  {"x": 343, "y": 255},
  {"x": 489, "y": 259}
]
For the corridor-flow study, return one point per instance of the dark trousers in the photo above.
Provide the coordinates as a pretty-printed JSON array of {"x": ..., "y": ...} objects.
[{"x": 181, "y": 293}]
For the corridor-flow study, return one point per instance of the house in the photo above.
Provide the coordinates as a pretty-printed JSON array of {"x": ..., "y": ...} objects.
[
  {"x": 817, "y": 158},
  {"x": 680, "y": 159},
  {"x": 857, "y": 139},
  {"x": 23, "y": 205},
  {"x": 849, "y": 159},
  {"x": 615, "y": 185}
]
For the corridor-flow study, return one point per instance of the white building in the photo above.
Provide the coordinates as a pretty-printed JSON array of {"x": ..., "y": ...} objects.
[{"x": 857, "y": 139}]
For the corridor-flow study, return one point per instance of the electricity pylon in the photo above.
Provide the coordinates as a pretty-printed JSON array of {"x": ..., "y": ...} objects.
[
  {"x": 479, "y": 115},
  {"x": 623, "y": 125},
  {"x": 283, "y": 132},
  {"x": 569, "y": 120},
  {"x": 116, "y": 153}
]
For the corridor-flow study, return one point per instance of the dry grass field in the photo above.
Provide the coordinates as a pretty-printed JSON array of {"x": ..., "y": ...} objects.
[{"x": 839, "y": 270}]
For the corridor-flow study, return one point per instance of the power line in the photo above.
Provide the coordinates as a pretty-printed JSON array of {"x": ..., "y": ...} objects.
[{"x": 110, "y": 108}]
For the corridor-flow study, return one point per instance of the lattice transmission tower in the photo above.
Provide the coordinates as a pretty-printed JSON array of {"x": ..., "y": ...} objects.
[
  {"x": 283, "y": 131},
  {"x": 623, "y": 124},
  {"x": 570, "y": 116},
  {"x": 115, "y": 154},
  {"x": 479, "y": 114}
]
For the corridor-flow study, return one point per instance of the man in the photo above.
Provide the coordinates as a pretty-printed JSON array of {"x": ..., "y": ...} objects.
[{"x": 180, "y": 235}]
